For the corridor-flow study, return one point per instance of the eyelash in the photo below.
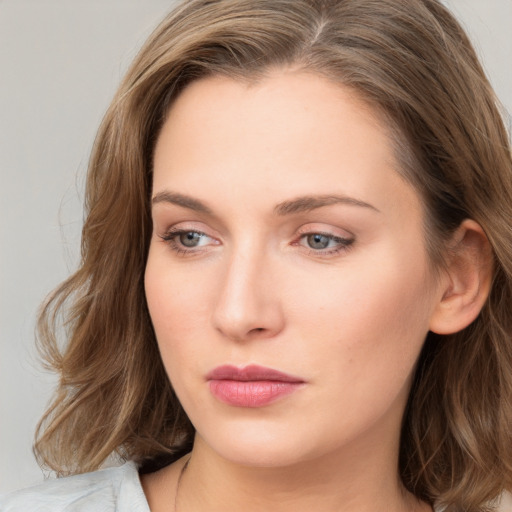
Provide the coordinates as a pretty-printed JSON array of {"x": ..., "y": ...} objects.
[
  {"x": 344, "y": 244},
  {"x": 170, "y": 239}
]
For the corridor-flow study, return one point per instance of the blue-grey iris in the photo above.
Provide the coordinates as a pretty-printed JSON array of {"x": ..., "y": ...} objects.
[
  {"x": 318, "y": 241},
  {"x": 190, "y": 239}
]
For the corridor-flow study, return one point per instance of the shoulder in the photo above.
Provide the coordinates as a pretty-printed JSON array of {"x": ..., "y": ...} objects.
[{"x": 107, "y": 490}]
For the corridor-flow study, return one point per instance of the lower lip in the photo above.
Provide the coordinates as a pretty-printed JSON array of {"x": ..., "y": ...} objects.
[{"x": 251, "y": 393}]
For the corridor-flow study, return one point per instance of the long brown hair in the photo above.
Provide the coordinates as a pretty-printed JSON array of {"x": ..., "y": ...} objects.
[{"x": 413, "y": 63}]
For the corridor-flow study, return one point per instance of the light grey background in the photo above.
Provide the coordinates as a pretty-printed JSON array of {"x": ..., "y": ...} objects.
[{"x": 60, "y": 63}]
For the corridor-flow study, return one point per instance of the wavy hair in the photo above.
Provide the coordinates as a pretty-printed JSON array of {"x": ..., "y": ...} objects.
[{"x": 412, "y": 62}]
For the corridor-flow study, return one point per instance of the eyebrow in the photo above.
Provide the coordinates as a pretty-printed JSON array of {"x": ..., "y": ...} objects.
[
  {"x": 308, "y": 203},
  {"x": 181, "y": 200},
  {"x": 298, "y": 205}
]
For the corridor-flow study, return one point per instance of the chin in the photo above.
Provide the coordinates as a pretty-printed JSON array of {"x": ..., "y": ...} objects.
[{"x": 260, "y": 446}]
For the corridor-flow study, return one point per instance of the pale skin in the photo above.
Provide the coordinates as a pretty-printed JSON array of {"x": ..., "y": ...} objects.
[{"x": 284, "y": 236}]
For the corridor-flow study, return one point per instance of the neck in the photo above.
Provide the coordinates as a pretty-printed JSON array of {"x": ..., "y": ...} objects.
[{"x": 336, "y": 482}]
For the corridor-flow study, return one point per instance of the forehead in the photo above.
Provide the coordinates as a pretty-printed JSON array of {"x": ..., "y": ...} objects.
[{"x": 292, "y": 131}]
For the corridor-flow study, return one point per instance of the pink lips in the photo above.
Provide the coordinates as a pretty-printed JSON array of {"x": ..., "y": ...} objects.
[{"x": 252, "y": 386}]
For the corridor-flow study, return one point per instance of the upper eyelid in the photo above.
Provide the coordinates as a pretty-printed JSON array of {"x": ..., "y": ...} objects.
[
  {"x": 173, "y": 232},
  {"x": 311, "y": 228},
  {"x": 205, "y": 229},
  {"x": 325, "y": 233},
  {"x": 196, "y": 226}
]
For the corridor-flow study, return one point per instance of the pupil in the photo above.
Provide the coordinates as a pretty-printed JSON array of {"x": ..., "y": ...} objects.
[
  {"x": 318, "y": 241},
  {"x": 190, "y": 239}
]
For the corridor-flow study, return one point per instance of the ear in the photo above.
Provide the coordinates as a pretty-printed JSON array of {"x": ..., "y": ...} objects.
[{"x": 466, "y": 281}]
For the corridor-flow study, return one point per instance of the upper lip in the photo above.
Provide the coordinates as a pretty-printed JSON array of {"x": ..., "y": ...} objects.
[{"x": 250, "y": 373}]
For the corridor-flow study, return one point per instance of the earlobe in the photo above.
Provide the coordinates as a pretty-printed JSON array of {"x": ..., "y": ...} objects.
[{"x": 467, "y": 280}]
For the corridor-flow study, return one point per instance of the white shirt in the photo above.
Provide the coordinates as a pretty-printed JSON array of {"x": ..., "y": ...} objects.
[{"x": 107, "y": 490}]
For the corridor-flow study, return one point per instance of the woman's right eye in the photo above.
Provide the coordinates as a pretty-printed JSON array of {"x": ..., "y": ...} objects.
[
  {"x": 185, "y": 241},
  {"x": 190, "y": 238}
]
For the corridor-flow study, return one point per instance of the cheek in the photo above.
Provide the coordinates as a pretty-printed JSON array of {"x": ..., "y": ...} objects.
[
  {"x": 179, "y": 306},
  {"x": 365, "y": 321},
  {"x": 172, "y": 295}
]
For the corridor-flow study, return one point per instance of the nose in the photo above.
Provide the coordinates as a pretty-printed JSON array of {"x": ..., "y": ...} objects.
[{"x": 248, "y": 305}]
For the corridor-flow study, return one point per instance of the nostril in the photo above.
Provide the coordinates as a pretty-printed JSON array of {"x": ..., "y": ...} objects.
[{"x": 258, "y": 329}]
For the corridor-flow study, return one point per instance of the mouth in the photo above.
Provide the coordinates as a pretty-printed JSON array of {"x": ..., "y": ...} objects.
[{"x": 251, "y": 386}]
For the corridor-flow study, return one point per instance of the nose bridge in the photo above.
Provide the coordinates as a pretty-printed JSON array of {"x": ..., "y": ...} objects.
[{"x": 247, "y": 304}]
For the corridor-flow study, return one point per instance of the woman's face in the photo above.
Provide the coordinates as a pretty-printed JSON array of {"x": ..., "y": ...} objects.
[{"x": 286, "y": 241}]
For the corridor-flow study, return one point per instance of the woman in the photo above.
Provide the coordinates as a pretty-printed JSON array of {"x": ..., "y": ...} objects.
[{"x": 295, "y": 289}]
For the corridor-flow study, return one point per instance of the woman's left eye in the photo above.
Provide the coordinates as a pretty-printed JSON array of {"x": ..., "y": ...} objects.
[{"x": 325, "y": 243}]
